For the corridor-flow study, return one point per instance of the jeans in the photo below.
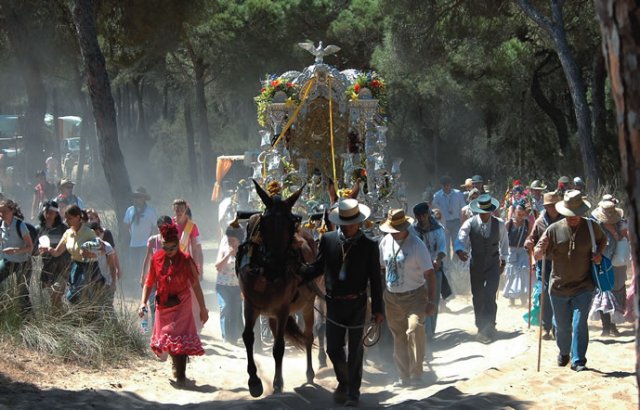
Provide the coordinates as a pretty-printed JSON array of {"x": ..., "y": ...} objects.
[
  {"x": 22, "y": 271},
  {"x": 230, "y": 305},
  {"x": 450, "y": 234},
  {"x": 572, "y": 334},
  {"x": 547, "y": 313}
]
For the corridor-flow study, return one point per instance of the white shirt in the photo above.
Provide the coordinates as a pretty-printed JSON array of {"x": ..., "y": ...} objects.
[
  {"x": 105, "y": 271},
  {"x": 408, "y": 261},
  {"x": 141, "y": 230},
  {"x": 449, "y": 204},
  {"x": 463, "y": 242}
]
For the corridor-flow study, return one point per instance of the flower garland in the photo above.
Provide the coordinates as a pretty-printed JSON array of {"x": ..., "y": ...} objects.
[
  {"x": 374, "y": 83},
  {"x": 270, "y": 86}
]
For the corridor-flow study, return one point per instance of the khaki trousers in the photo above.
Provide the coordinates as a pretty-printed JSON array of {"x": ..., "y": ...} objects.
[{"x": 405, "y": 313}]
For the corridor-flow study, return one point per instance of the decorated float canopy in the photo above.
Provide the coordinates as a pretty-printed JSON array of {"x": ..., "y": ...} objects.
[{"x": 323, "y": 124}]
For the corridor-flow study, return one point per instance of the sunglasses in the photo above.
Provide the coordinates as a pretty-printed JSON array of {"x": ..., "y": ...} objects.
[{"x": 170, "y": 248}]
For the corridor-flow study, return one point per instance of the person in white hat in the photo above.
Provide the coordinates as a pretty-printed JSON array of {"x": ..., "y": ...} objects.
[
  {"x": 568, "y": 243},
  {"x": 66, "y": 197},
  {"x": 609, "y": 307},
  {"x": 349, "y": 261},
  {"x": 407, "y": 266},
  {"x": 140, "y": 221},
  {"x": 485, "y": 237}
]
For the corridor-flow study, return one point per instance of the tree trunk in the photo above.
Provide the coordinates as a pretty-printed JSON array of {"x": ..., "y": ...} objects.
[
  {"x": 554, "y": 113},
  {"x": 191, "y": 146},
  {"x": 598, "y": 99},
  {"x": 22, "y": 45},
  {"x": 206, "y": 157},
  {"x": 556, "y": 30},
  {"x": 621, "y": 45},
  {"x": 579, "y": 98},
  {"x": 104, "y": 112}
]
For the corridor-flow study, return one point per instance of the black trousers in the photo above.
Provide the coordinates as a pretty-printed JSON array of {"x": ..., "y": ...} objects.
[
  {"x": 484, "y": 285},
  {"x": 349, "y": 313}
]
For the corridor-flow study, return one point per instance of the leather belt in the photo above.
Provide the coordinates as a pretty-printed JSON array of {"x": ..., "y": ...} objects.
[{"x": 352, "y": 296}]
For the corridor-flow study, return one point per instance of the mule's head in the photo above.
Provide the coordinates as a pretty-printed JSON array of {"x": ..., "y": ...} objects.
[{"x": 278, "y": 223}]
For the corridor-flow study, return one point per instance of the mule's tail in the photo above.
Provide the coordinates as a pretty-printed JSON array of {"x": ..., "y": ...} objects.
[{"x": 293, "y": 334}]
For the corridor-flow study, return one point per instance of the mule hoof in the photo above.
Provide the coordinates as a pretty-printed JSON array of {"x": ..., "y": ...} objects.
[{"x": 255, "y": 388}]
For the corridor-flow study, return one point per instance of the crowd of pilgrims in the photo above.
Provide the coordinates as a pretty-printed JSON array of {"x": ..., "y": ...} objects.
[{"x": 78, "y": 263}]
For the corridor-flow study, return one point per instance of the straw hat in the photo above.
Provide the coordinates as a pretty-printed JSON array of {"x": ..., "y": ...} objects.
[
  {"x": 397, "y": 221},
  {"x": 484, "y": 204},
  {"x": 607, "y": 213},
  {"x": 573, "y": 204},
  {"x": 468, "y": 183},
  {"x": 349, "y": 212},
  {"x": 538, "y": 185},
  {"x": 141, "y": 193},
  {"x": 66, "y": 182},
  {"x": 550, "y": 198}
]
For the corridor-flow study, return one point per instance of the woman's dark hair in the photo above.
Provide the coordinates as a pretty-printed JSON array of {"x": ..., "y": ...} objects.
[
  {"x": 49, "y": 205},
  {"x": 73, "y": 210},
  {"x": 164, "y": 220}
]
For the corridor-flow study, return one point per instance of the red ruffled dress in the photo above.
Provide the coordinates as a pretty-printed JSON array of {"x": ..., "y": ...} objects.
[{"x": 174, "y": 330}]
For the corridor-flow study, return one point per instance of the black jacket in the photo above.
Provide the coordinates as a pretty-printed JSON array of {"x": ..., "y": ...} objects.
[{"x": 362, "y": 267}]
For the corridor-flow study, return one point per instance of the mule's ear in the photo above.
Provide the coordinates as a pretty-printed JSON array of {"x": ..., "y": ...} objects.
[
  {"x": 331, "y": 189},
  {"x": 294, "y": 197},
  {"x": 264, "y": 196}
]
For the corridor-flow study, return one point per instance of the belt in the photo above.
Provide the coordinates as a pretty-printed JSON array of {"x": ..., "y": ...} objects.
[
  {"x": 352, "y": 296},
  {"x": 418, "y": 289}
]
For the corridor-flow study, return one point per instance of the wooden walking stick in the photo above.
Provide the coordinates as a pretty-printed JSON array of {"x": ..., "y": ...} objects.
[
  {"x": 542, "y": 292},
  {"x": 532, "y": 260}
]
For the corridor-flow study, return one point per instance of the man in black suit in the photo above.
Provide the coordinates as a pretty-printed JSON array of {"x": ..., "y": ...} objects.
[{"x": 350, "y": 262}]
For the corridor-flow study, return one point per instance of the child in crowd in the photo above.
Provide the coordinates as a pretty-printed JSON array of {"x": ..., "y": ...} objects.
[{"x": 227, "y": 286}]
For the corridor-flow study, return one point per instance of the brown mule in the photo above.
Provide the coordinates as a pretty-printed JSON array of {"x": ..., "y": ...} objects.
[{"x": 268, "y": 265}]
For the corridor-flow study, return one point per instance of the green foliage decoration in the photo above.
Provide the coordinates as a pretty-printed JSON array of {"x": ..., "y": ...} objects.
[{"x": 270, "y": 87}]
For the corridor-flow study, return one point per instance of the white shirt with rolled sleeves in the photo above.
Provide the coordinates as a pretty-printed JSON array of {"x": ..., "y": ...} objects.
[
  {"x": 464, "y": 244},
  {"x": 412, "y": 261}
]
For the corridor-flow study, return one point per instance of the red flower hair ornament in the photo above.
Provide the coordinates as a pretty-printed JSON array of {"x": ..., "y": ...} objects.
[{"x": 169, "y": 233}]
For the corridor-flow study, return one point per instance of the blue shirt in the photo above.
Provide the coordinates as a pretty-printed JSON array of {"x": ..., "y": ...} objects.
[
  {"x": 11, "y": 239},
  {"x": 449, "y": 204}
]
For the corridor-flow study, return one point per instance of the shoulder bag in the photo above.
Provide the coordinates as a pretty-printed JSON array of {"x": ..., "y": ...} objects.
[{"x": 602, "y": 273}]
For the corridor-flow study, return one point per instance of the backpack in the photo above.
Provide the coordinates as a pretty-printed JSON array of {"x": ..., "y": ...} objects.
[{"x": 33, "y": 232}]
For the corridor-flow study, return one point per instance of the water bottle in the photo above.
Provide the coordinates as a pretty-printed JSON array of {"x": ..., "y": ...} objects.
[{"x": 144, "y": 321}]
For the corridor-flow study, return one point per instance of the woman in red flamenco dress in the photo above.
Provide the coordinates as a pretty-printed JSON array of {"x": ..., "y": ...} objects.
[{"x": 178, "y": 318}]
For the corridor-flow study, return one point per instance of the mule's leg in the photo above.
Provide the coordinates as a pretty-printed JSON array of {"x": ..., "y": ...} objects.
[
  {"x": 278, "y": 349},
  {"x": 320, "y": 326},
  {"x": 308, "y": 339},
  {"x": 250, "y": 316}
]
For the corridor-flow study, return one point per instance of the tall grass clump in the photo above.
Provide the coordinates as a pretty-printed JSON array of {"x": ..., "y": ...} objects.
[{"x": 86, "y": 333}]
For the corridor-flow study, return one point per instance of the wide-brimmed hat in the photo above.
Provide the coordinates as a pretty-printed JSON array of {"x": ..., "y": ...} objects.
[
  {"x": 348, "y": 212},
  {"x": 474, "y": 191},
  {"x": 140, "y": 192},
  {"x": 573, "y": 204},
  {"x": 564, "y": 180},
  {"x": 468, "y": 183},
  {"x": 397, "y": 221},
  {"x": 484, "y": 204},
  {"x": 607, "y": 213},
  {"x": 477, "y": 179},
  {"x": 66, "y": 181},
  {"x": 550, "y": 198},
  {"x": 538, "y": 185}
]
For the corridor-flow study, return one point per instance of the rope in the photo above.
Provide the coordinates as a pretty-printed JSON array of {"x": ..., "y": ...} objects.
[
  {"x": 333, "y": 153},
  {"x": 371, "y": 334}
]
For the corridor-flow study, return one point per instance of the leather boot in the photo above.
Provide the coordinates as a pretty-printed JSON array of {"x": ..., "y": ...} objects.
[{"x": 174, "y": 366}]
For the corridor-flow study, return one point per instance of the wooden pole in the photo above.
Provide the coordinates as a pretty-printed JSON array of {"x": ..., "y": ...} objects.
[
  {"x": 542, "y": 292},
  {"x": 531, "y": 263}
]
